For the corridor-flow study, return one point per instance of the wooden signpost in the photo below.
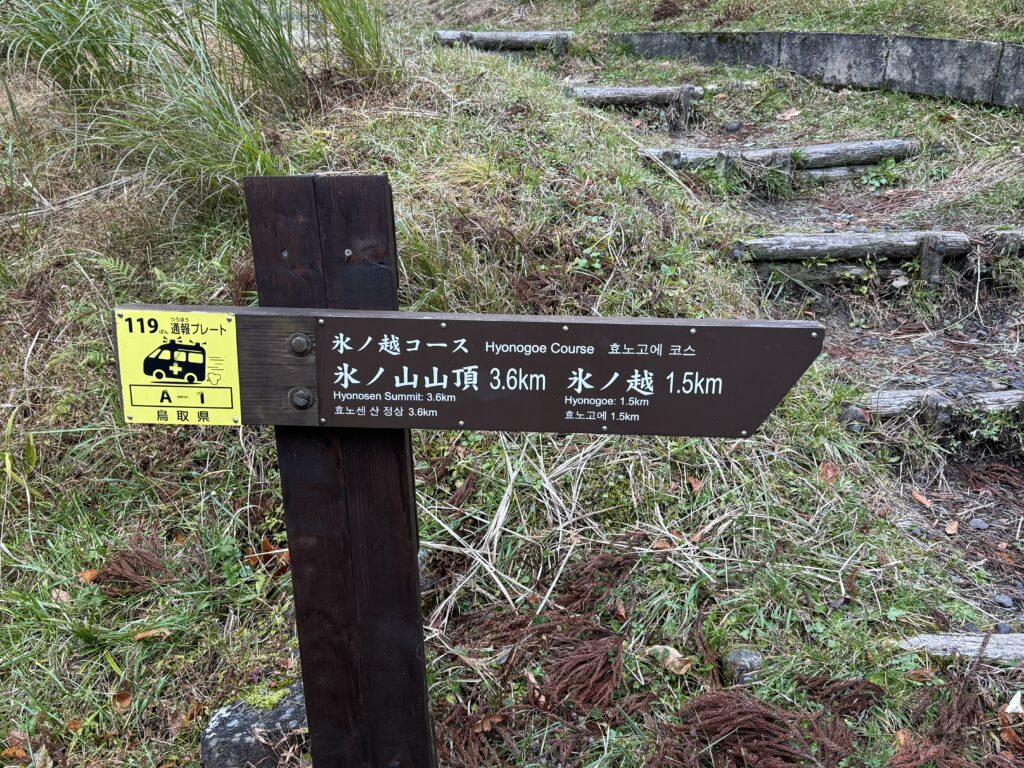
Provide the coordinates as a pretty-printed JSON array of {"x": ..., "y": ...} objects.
[{"x": 343, "y": 376}]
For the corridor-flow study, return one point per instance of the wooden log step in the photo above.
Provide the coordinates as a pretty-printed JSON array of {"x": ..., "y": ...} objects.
[
  {"x": 811, "y": 156},
  {"x": 1008, "y": 241},
  {"x": 903, "y": 401},
  {"x": 837, "y": 173},
  {"x": 555, "y": 41},
  {"x": 851, "y": 246},
  {"x": 826, "y": 273},
  {"x": 635, "y": 96},
  {"x": 998, "y": 647}
]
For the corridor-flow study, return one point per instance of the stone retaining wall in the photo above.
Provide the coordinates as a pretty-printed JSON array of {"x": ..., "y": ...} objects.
[{"x": 967, "y": 70}]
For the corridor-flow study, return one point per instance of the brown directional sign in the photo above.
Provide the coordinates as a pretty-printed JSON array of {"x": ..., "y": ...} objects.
[
  {"x": 544, "y": 374},
  {"x": 411, "y": 370}
]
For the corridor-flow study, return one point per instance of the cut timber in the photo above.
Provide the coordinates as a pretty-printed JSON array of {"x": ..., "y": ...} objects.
[
  {"x": 557, "y": 42},
  {"x": 827, "y": 273},
  {"x": 997, "y": 647},
  {"x": 838, "y": 173},
  {"x": 850, "y": 246},
  {"x": 655, "y": 95},
  {"x": 901, "y": 401},
  {"x": 1008, "y": 241},
  {"x": 811, "y": 156}
]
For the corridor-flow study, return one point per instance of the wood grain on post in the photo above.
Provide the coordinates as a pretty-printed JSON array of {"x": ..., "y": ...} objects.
[
  {"x": 901, "y": 401},
  {"x": 328, "y": 241}
]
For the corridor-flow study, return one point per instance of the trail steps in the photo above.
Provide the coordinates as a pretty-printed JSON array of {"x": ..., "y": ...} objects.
[{"x": 555, "y": 41}]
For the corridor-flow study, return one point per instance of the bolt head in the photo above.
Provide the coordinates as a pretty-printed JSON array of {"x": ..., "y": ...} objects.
[
  {"x": 301, "y": 398},
  {"x": 300, "y": 343}
]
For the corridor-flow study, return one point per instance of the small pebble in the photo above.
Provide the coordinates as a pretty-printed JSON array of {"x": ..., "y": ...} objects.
[
  {"x": 1017, "y": 584},
  {"x": 1003, "y": 628},
  {"x": 903, "y": 351},
  {"x": 977, "y": 524},
  {"x": 732, "y": 126},
  {"x": 1003, "y": 601}
]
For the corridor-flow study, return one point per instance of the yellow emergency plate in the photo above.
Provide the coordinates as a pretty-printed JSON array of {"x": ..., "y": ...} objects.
[{"x": 178, "y": 367}]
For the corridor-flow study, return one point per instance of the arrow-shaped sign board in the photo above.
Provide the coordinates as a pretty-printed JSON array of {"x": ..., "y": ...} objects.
[{"x": 414, "y": 370}]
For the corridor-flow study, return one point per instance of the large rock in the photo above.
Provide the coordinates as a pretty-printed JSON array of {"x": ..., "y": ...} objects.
[
  {"x": 1009, "y": 86},
  {"x": 836, "y": 59},
  {"x": 959, "y": 69},
  {"x": 243, "y": 736}
]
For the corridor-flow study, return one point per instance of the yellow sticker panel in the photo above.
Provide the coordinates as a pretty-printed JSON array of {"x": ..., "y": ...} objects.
[{"x": 178, "y": 367}]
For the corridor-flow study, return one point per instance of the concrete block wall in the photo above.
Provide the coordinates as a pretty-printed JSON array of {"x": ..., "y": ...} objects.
[{"x": 966, "y": 70}]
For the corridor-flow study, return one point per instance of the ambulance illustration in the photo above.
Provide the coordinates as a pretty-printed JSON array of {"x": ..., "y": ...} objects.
[{"x": 173, "y": 360}]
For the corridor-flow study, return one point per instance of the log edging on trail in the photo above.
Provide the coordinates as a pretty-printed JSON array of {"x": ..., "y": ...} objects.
[
  {"x": 979, "y": 71},
  {"x": 627, "y": 96},
  {"x": 810, "y": 157},
  {"x": 555, "y": 41},
  {"x": 898, "y": 402},
  {"x": 850, "y": 246},
  {"x": 1008, "y": 647}
]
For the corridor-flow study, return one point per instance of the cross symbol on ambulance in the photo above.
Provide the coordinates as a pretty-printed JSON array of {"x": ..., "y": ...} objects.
[{"x": 175, "y": 369}]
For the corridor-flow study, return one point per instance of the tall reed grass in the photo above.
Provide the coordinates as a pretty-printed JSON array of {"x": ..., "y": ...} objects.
[{"x": 184, "y": 88}]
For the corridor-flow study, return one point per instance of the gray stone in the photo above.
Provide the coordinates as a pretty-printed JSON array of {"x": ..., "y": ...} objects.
[
  {"x": 732, "y": 126},
  {"x": 836, "y": 59},
  {"x": 958, "y": 69},
  {"x": 1003, "y": 601},
  {"x": 903, "y": 351},
  {"x": 741, "y": 665},
  {"x": 241, "y": 736},
  {"x": 1008, "y": 90},
  {"x": 977, "y": 524},
  {"x": 756, "y": 49},
  {"x": 1003, "y": 628},
  {"x": 972, "y": 628}
]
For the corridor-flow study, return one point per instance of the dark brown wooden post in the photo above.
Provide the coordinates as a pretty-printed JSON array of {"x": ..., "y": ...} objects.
[{"x": 329, "y": 241}]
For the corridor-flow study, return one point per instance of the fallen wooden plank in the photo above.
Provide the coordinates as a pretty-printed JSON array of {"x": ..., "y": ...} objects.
[
  {"x": 633, "y": 96},
  {"x": 850, "y": 246},
  {"x": 825, "y": 273},
  {"x": 556, "y": 41},
  {"x": 808, "y": 157},
  {"x": 996, "y": 648},
  {"x": 902, "y": 401}
]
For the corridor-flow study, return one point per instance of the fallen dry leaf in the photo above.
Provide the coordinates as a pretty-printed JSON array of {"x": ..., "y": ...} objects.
[
  {"x": 60, "y": 596},
  {"x": 74, "y": 725},
  {"x": 720, "y": 96},
  {"x": 121, "y": 701},
  {"x": 1008, "y": 734},
  {"x": 534, "y": 695},
  {"x": 788, "y": 115},
  {"x": 620, "y": 611},
  {"x": 87, "y": 576},
  {"x": 486, "y": 723},
  {"x": 660, "y": 545},
  {"x": 921, "y": 499},
  {"x": 919, "y": 675},
  {"x": 829, "y": 472},
  {"x": 17, "y": 739},
  {"x": 14, "y": 753},
  {"x": 670, "y": 659},
  {"x": 161, "y": 633},
  {"x": 952, "y": 527},
  {"x": 696, "y": 484},
  {"x": 902, "y": 738},
  {"x": 900, "y": 282}
]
